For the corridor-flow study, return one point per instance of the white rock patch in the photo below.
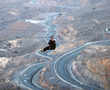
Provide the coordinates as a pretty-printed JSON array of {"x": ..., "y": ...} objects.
[
  {"x": 4, "y": 61},
  {"x": 14, "y": 43}
]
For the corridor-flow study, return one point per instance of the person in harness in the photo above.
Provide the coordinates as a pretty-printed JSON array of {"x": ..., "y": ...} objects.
[{"x": 51, "y": 45}]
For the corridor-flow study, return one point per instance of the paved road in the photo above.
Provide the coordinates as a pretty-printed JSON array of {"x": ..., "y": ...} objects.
[
  {"x": 61, "y": 70},
  {"x": 24, "y": 78},
  {"x": 61, "y": 67}
]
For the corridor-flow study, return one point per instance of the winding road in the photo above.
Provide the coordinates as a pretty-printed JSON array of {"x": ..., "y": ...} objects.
[
  {"x": 63, "y": 73},
  {"x": 61, "y": 70},
  {"x": 25, "y": 77}
]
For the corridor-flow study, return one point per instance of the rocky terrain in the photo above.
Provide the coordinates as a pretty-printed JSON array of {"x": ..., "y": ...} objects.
[
  {"x": 26, "y": 26},
  {"x": 93, "y": 62}
]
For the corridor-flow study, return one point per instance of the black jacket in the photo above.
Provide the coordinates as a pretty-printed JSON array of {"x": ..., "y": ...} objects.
[{"x": 52, "y": 44}]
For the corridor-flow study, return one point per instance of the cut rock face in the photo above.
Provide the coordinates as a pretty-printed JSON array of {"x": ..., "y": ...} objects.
[{"x": 94, "y": 63}]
